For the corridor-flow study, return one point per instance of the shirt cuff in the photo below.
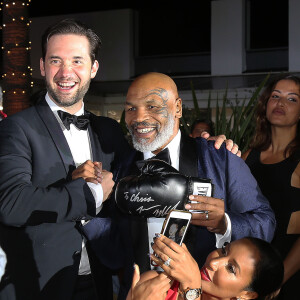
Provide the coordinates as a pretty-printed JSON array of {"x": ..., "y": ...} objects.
[
  {"x": 226, "y": 237},
  {"x": 2, "y": 262},
  {"x": 97, "y": 192}
]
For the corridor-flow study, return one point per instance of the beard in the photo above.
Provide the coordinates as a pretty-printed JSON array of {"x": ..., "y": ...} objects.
[
  {"x": 160, "y": 140},
  {"x": 68, "y": 100}
]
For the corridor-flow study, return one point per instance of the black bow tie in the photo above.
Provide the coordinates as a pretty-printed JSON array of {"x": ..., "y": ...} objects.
[
  {"x": 81, "y": 122},
  {"x": 162, "y": 155}
]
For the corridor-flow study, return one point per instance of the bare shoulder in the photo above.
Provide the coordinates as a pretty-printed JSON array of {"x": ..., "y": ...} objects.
[{"x": 245, "y": 154}]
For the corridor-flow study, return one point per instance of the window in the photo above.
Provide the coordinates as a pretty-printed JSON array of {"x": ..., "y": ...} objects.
[
  {"x": 267, "y": 23},
  {"x": 176, "y": 31}
]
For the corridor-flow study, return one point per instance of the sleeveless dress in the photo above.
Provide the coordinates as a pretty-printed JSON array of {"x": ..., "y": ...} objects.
[{"x": 274, "y": 181}]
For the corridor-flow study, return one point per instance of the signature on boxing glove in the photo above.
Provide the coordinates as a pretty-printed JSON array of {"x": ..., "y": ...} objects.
[{"x": 158, "y": 213}]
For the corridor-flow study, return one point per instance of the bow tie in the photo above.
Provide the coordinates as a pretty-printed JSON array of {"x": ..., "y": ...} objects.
[
  {"x": 162, "y": 155},
  {"x": 81, "y": 122}
]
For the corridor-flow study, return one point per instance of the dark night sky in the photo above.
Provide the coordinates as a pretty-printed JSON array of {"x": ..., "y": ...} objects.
[{"x": 39, "y": 8}]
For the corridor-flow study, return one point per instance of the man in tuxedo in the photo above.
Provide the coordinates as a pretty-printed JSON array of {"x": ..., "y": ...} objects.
[
  {"x": 152, "y": 113},
  {"x": 42, "y": 206}
]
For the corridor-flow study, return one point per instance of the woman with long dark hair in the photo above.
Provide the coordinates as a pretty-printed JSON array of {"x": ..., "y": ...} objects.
[{"x": 274, "y": 160}]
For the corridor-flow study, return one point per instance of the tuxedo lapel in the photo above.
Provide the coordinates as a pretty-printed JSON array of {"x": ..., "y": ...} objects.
[
  {"x": 56, "y": 133},
  {"x": 94, "y": 140},
  {"x": 188, "y": 165},
  {"x": 188, "y": 159}
]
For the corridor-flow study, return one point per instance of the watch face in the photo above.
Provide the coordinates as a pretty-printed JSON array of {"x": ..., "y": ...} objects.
[{"x": 192, "y": 294}]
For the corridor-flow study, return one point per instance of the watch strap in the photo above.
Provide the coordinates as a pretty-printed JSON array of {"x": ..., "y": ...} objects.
[{"x": 198, "y": 292}]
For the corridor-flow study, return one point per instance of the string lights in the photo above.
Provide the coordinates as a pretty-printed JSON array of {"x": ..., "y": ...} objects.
[{"x": 17, "y": 72}]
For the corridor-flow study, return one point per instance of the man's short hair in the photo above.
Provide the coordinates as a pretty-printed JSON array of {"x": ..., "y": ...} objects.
[{"x": 71, "y": 26}]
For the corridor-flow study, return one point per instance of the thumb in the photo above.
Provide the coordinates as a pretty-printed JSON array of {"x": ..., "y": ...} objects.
[
  {"x": 205, "y": 135},
  {"x": 135, "y": 280},
  {"x": 136, "y": 276}
]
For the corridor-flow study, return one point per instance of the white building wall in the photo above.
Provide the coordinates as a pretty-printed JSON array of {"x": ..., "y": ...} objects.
[
  {"x": 294, "y": 36},
  {"x": 227, "y": 37}
]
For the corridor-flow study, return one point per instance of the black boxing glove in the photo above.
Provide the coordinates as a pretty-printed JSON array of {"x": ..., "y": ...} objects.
[{"x": 157, "y": 190}]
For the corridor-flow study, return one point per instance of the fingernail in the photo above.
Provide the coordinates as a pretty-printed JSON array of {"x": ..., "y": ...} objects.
[
  {"x": 191, "y": 197},
  {"x": 188, "y": 206},
  {"x": 157, "y": 235}
]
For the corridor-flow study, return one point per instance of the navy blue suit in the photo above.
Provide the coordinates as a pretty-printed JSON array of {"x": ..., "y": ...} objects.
[
  {"x": 41, "y": 208},
  {"x": 248, "y": 209}
]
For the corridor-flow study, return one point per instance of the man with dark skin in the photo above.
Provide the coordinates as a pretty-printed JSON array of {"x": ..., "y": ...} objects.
[{"x": 153, "y": 110}]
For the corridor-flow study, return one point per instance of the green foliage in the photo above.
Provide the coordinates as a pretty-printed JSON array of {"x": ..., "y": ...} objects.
[{"x": 240, "y": 125}]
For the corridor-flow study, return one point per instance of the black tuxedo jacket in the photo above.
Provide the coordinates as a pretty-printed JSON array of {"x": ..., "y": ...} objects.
[{"x": 41, "y": 208}]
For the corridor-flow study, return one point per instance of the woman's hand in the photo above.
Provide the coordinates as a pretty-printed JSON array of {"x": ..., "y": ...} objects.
[
  {"x": 219, "y": 140},
  {"x": 149, "y": 286},
  {"x": 182, "y": 266}
]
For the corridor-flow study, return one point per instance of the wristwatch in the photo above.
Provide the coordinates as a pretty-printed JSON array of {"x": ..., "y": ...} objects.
[{"x": 192, "y": 294}]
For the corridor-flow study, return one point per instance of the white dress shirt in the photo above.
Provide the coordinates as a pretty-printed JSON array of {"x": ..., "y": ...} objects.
[
  {"x": 155, "y": 224},
  {"x": 80, "y": 147}
]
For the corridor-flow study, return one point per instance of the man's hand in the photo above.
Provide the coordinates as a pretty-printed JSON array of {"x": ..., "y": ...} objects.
[
  {"x": 89, "y": 171},
  {"x": 107, "y": 184},
  {"x": 92, "y": 172},
  {"x": 219, "y": 140},
  {"x": 150, "y": 287},
  {"x": 216, "y": 221}
]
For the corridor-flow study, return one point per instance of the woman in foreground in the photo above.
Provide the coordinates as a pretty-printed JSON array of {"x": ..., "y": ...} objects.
[{"x": 248, "y": 268}]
